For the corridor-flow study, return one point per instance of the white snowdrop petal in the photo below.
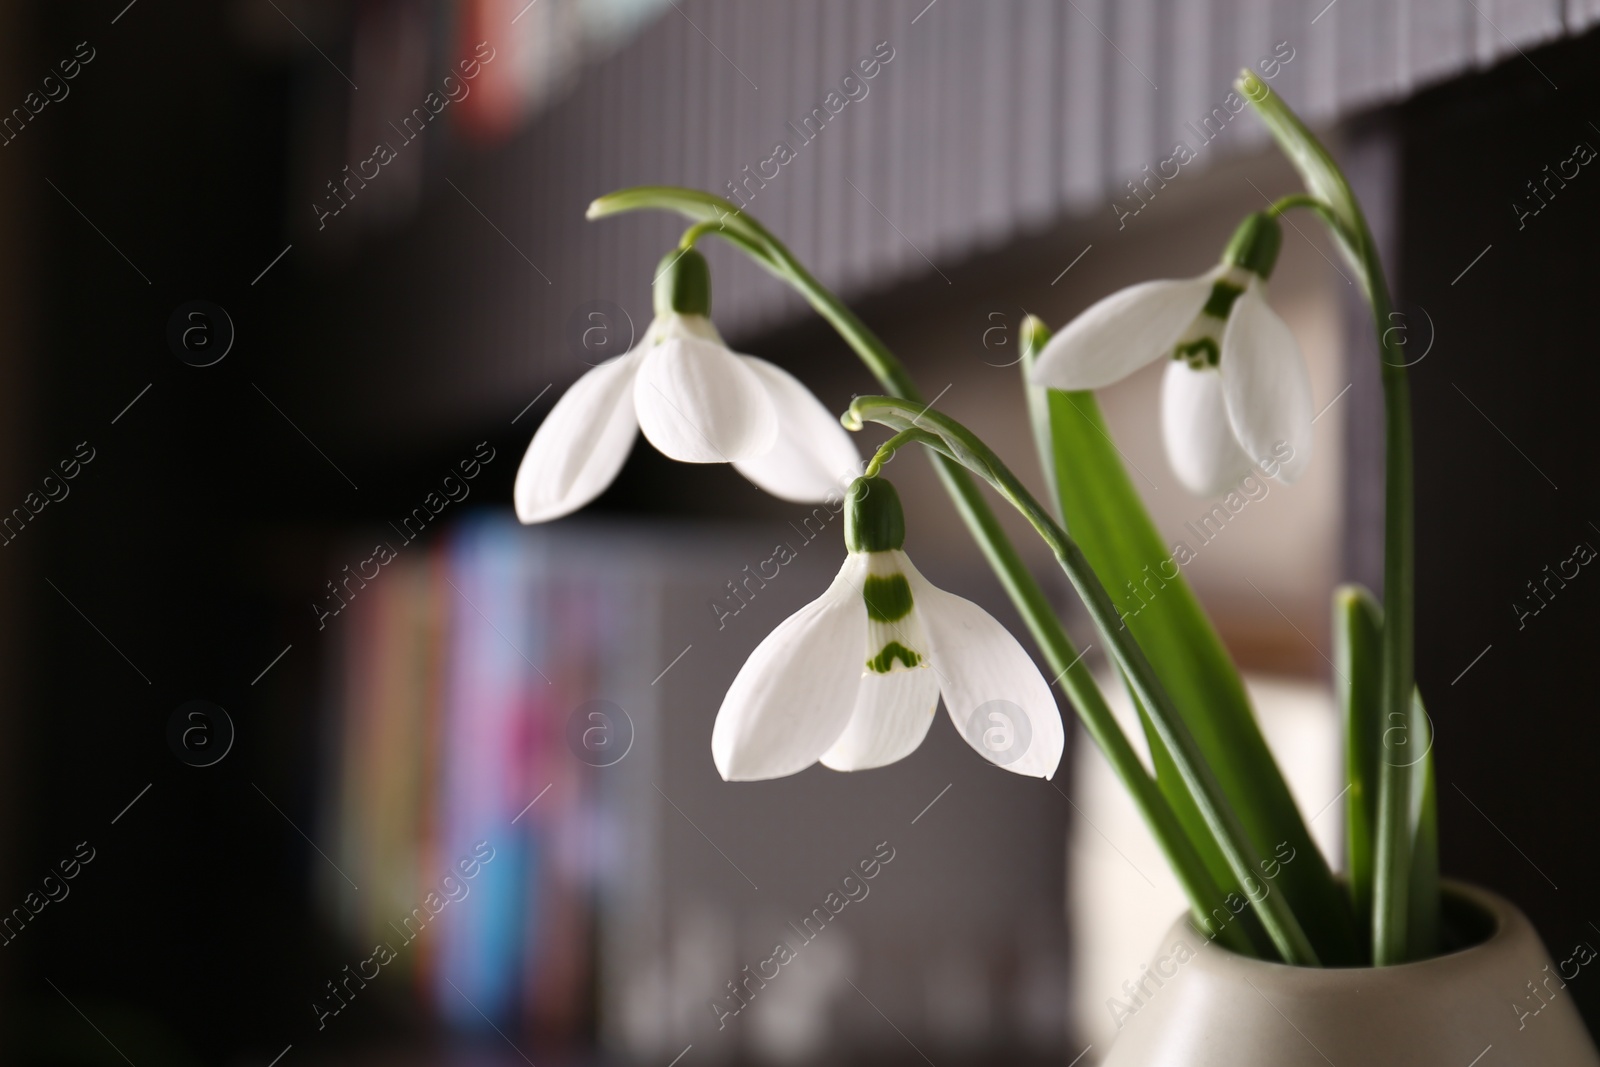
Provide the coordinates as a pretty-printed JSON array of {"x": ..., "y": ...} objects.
[
  {"x": 793, "y": 697},
  {"x": 891, "y": 716},
  {"x": 814, "y": 456},
  {"x": 581, "y": 445},
  {"x": 1267, "y": 386},
  {"x": 697, "y": 402},
  {"x": 994, "y": 693},
  {"x": 1121, "y": 333},
  {"x": 1201, "y": 446}
]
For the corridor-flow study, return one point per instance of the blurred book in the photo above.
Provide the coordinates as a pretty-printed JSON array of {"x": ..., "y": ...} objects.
[
  {"x": 537, "y": 702},
  {"x": 467, "y": 671}
]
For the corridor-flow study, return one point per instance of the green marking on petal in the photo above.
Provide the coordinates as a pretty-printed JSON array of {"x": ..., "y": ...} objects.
[
  {"x": 1220, "y": 302},
  {"x": 888, "y": 597},
  {"x": 884, "y": 661},
  {"x": 1199, "y": 354}
]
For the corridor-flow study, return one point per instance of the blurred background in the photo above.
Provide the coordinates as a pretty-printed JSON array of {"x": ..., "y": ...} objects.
[{"x": 350, "y": 768}]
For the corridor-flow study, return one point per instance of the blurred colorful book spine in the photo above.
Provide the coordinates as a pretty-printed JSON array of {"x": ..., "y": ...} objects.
[{"x": 451, "y": 688}]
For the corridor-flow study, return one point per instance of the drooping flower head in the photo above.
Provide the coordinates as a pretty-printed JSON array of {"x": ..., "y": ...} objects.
[
  {"x": 1236, "y": 393},
  {"x": 853, "y": 679},
  {"x": 695, "y": 400}
]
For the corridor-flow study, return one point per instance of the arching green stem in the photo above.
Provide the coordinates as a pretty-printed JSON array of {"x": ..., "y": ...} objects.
[
  {"x": 697, "y": 231},
  {"x": 960, "y": 445},
  {"x": 887, "y": 450},
  {"x": 1336, "y": 203},
  {"x": 1321, "y": 208}
]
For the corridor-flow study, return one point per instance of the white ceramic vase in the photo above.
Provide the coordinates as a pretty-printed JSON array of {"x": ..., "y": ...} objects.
[{"x": 1499, "y": 1002}]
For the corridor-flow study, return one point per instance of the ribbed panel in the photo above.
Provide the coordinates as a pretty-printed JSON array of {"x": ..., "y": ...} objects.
[{"x": 993, "y": 119}]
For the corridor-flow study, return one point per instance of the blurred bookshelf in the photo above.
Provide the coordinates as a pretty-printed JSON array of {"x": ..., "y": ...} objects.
[{"x": 517, "y": 722}]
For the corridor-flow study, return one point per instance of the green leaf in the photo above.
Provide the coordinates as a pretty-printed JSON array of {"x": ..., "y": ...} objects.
[
  {"x": 1358, "y": 659},
  {"x": 1104, "y": 515}
]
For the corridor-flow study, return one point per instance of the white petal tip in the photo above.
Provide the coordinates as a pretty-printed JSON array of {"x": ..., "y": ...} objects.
[
  {"x": 580, "y": 446},
  {"x": 813, "y": 459},
  {"x": 1035, "y": 763},
  {"x": 530, "y": 514},
  {"x": 1289, "y": 471},
  {"x": 792, "y": 698},
  {"x": 745, "y": 771}
]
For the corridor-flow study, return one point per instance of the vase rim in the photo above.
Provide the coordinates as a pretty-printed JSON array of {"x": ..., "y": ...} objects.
[{"x": 1503, "y": 919}]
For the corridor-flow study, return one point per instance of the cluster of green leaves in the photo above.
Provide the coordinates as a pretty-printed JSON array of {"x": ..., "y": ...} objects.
[
  {"x": 1387, "y": 912},
  {"x": 1103, "y": 512}
]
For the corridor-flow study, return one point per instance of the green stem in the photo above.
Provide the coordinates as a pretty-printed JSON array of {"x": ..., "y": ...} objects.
[
  {"x": 1293, "y": 200},
  {"x": 713, "y": 214},
  {"x": 697, "y": 231},
  {"x": 887, "y": 450},
  {"x": 1320, "y": 208},
  {"x": 958, "y": 444},
  {"x": 1336, "y": 203},
  {"x": 1392, "y": 862}
]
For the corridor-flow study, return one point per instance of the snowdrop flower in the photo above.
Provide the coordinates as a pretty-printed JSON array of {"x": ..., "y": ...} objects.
[
  {"x": 696, "y": 401},
  {"x": 1236, "y": 393},
  {"x": 853, "y": 679}
]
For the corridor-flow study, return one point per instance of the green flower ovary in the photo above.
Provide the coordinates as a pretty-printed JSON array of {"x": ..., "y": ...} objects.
[{"x": 883, "y": 662}]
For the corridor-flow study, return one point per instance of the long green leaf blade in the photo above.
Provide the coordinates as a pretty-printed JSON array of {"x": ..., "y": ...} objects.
[
  {"x": 1358, "y": 658},
  {"x": 1105, "y": 516}
]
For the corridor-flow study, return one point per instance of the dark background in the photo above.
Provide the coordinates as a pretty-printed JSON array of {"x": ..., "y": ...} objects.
[
  {"x": 1505, "y": 486},
  {"x": 202, "y": 526}
]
